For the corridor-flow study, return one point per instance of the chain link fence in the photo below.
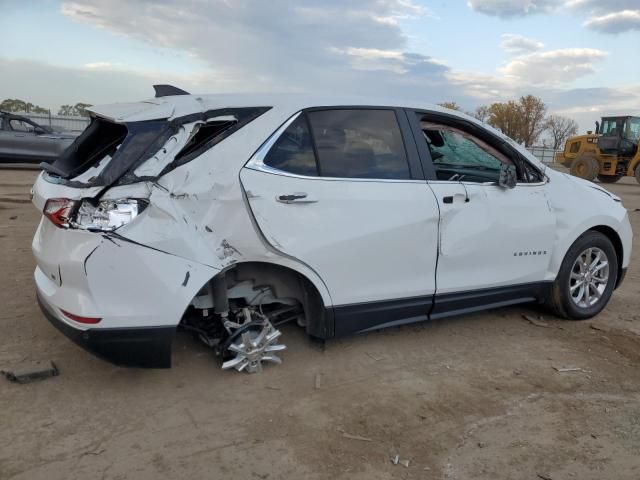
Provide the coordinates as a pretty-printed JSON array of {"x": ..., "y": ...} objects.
[{"x": 544, "y": 154}]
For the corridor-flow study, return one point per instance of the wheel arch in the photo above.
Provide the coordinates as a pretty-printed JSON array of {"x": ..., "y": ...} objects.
[
  {"x": 615, "y": 239},
  {"x": 289, "y": 282}
]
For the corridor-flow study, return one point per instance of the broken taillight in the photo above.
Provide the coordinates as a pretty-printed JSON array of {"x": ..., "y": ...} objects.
[{"x": 59, "y": 211}]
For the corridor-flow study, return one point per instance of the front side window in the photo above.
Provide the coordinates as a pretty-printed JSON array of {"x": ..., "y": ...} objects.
[
  {"x": 611, "y": 127},
  {"x": 293, "y": 151},
  {"x": 359, "y": 143},
  {"x": 457, "y": 155}
]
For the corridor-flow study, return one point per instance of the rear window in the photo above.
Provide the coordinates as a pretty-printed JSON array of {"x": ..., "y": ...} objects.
[
  {"x": 99, "y": 140},
  {"x": 359, "y": 143},
  {"x": 293, "y": 151}
]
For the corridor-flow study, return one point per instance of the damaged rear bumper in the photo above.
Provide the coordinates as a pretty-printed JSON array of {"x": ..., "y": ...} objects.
[
  {"x": 148, "y": 347},
  {"x": 137, "y": 293}
]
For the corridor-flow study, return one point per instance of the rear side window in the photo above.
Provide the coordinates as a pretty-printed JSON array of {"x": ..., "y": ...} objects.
[
  {"x": 293, "y": 151},
  {"x": 359, "y": 143}
]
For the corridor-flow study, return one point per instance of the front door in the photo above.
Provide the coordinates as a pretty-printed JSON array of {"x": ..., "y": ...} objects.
[
  {"x": 337, "y": 190},
  {"x": 495, "y": 242}
]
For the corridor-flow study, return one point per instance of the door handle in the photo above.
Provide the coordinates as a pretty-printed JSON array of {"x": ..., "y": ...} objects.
[
  {"x": 450, "y": 198},
  {"x": 298, "y": 197}
]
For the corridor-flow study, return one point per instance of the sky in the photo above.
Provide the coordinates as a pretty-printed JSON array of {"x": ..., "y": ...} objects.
[{"x": 580, "y": 56}]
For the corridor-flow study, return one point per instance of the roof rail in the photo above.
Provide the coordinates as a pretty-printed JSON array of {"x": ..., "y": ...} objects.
[{"x": 168, "y": 90}]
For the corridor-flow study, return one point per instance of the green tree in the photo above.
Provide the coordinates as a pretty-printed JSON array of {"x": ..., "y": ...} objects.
[
  {"x": 522, "y": 120},
  {"x": 17, "y": 105},
  {"x": 79, "y": 109}
]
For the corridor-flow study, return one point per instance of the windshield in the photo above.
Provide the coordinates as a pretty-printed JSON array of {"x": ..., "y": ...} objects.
[
  {"x": 611, "y": 126},
  {"x": 632, "y": 130}
]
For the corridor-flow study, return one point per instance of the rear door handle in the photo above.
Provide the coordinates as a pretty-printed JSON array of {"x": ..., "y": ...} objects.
[{"x": 298, "y": 197}]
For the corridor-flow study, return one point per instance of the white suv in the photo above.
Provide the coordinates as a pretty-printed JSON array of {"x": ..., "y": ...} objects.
[{"x": 229, "y": 215}]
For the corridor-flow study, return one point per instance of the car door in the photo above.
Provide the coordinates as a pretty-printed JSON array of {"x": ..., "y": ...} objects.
[
  {"x": 342, "y": 192},
  {"x": 23, "y": 140},
  {"x": 6, "y": 137},
  {"x": 495, "y": 242}
]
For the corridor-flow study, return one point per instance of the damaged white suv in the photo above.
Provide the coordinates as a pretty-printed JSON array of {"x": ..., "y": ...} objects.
[{"x": 229, "y": 215}]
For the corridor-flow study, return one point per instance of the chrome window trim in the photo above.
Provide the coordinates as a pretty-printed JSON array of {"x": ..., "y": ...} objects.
[{"x": 256, "y": 162}]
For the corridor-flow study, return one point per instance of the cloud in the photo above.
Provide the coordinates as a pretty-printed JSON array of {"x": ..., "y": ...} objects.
[
  {"x": 554, "y": 66},
  {"x": 517, "y": 44},
  {"x": 513, "y": 8},
  {"x": 615, "y": 22},
  {"x": 330, "y": 45},
  {"x": 95, "y": 85},
  {"x": 371, "y": 59}
]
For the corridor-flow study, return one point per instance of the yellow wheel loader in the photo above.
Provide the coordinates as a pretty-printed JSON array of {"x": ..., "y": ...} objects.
[{"x": 608, "y": 154}]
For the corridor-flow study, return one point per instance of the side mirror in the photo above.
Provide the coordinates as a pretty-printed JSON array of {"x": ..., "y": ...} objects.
[{"x": 508, "y": 176}]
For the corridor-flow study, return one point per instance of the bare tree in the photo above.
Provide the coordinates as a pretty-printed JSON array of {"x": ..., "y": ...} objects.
[
  {"x": 560, "y": 128},
  {"x": 450, "y": 105},
  {"x": 482, "y": 113}
]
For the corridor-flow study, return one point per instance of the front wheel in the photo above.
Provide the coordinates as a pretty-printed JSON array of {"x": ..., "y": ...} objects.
[
  {"x": 586, "y": 278},
  {"x": 585, "y": 166},
  {"x": 609, "y": 178}
]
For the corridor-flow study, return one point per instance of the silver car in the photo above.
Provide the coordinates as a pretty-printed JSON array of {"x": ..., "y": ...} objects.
[{"x": 24, "y": 141}]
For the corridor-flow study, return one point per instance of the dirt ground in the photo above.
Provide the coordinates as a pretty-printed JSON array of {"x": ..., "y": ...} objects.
[{"x": 473, "y": 397}]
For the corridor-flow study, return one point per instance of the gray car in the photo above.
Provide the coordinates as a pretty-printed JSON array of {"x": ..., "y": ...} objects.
[{"x": 24, "y": 141}]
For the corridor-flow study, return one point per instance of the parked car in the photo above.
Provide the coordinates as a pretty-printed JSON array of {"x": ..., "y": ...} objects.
[
  {"x": 24, "y": 141},
  {"x": 229, "y": 215}
]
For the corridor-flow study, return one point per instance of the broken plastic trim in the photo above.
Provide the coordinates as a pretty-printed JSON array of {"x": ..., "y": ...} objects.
[{"x": 146, "y": 138}]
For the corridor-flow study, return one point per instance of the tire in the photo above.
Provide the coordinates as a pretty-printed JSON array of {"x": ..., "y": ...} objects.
[
  {"x": 585, "y": 166},
  {"x": 565, "y": 298},
  {"x": 637, "y": 175},
  {"x": 609, "y": 178}
]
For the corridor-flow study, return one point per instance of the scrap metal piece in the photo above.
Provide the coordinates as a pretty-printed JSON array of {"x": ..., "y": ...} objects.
[{"x": 32, "y": 372}]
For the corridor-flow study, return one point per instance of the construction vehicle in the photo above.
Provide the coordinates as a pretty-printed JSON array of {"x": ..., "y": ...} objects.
[{"x": 608, "y": 154}]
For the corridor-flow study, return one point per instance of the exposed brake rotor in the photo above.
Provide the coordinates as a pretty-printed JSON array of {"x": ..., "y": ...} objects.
[{"x": 252, "y": 344}]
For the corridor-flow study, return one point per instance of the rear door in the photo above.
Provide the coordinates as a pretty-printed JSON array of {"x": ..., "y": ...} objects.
[{"x": 341, "y": 191}]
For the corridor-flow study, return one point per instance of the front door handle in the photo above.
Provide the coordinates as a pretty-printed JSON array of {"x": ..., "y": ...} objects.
[
  {"x": 298, "y": 197},
  {"x": 450, "y": 198}
]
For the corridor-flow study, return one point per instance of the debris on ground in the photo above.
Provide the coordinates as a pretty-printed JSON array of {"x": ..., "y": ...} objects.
[
  {"x": 397, "y": 461},
  {"x": 568, "y": 369},
  {"x": 353, "y": 437},
  {"x": 600, "y": 328},
  {"x": 535, "y": 321},
  {"x": 543, "y": 476},
  {"x": 318, "y": 381},
  {"x": 32, "y": 372},
  {"x": 374, "y": 357},
  {"x": 13, "y": 217}
]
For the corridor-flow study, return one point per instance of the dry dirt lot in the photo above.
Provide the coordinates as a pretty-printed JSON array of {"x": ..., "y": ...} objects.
[{"x": 474, "y": 397}]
